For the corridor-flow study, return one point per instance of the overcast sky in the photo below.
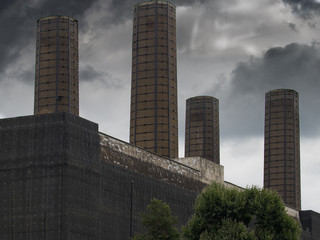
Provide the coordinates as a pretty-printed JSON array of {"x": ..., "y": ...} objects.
[{"x": 234, "y": 50}]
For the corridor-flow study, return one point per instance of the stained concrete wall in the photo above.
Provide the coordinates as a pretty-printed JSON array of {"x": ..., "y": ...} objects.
[
  {"x": 58, "y": 182},
  {"x": 209, "y": 171},
  {"x": 196, "y": 168},
  {"x": 310, "y": 223},
  {"x": 49, "y": 170}
]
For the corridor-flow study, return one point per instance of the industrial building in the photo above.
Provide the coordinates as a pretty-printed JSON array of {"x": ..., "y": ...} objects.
[
  {"x": 202, "y": 128},
  {"x": 57, "y": 66},
  {"x": 62, "y": 179},
  {"x": 154, "y": 113},
  {"x": 282, "y": 145}
]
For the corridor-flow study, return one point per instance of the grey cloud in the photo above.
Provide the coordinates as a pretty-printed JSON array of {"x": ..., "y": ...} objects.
[
  {"x": 191, "y": 2},
  {"x": 197, "y": 24},
  {"x": 4, "y": 5},
  {"x": 293, "y": 27},
  {"x": 304, "y": 8},
  {"x": 18, "y": 23},
  {"x": 18, "y": 20},
  {"x": 89, "y": 74},
  {"x": 26, "y": 76},
  {"x": 122, "y": 10},
  {"x": 294, "y": 66}
]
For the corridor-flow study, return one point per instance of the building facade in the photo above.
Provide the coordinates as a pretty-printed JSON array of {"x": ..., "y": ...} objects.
[
  {"x": 154, "y": 115},
  {"x": 57, "y": 66},
  {"x": 60, "y": 179},
  {"x": 282, "y": 145},
  {"x": 310, "y": 224},
  {"x": 202, "y": 128}
]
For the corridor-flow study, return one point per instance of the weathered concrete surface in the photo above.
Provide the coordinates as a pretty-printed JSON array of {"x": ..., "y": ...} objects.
[
  {"x": 55, "y": 185},
  {"x": 310, "y": 223},
  {"x": 293, "y": 212},
  {"x": 178, "y": 171},
  {"x": 142, "y": 161},
  {"x": 197, "y": 168},
  {"x": 209, "y": 171}
]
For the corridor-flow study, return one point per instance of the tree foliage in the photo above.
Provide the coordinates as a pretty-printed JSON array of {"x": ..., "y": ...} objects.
[
  {"x": 159, "y": 223},
  {"x": 224, "y": 213},
  {"x": 229, "y": 230}
]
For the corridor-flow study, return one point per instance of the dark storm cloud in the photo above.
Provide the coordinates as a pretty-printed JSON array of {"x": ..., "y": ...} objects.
[
  {"x": 122, "y": 10},
  {"x": 190, "y": 2},
  {"x": 18, "y": 20},
  {"x": 294, "y": 66},
  {"x": 4, "y": 5},
  {"x": 304, "y": 8},
  {"x": 18, "y": 23}
]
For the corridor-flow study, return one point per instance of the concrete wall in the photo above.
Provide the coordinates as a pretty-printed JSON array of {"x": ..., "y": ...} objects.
[
  {"x": 58, "y": 182},
  {"x": 197, "y": 168},
  {"x": 48, "y": 173},
  {"x": 310, "y": 223},
  {"x": 209, "y": 171}
]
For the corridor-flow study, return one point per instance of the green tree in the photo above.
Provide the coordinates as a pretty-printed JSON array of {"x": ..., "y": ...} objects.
[
  {"x": 159, "y": 223},
  {"x": 224, "y": 213},
  {"x": 229, "y": 230}
]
